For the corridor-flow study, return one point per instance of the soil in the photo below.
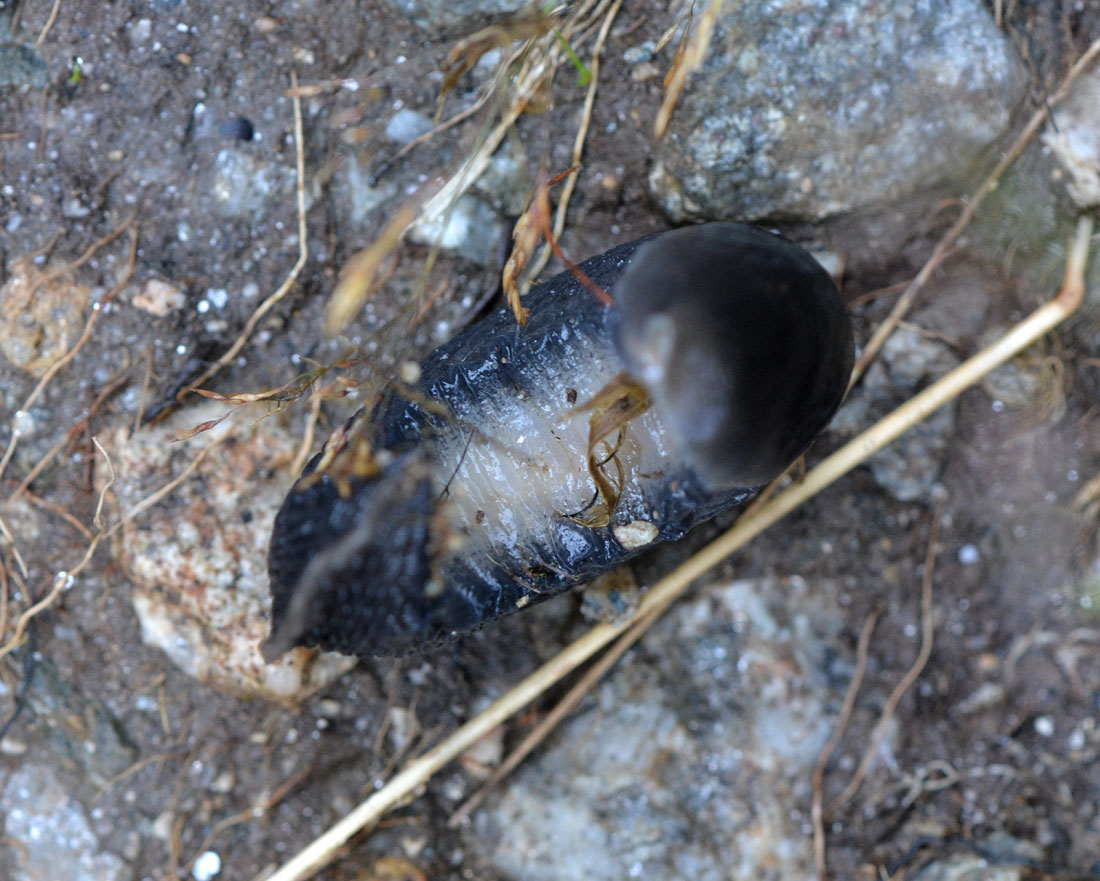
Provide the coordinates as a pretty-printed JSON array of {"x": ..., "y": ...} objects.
[{"x": 1009, "y": 700}]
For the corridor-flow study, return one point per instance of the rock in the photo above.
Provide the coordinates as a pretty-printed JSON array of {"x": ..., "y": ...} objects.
[
  {"x": 407, "y": 125},
  {"x": 20, "y": 63},
  {"x": 40, "y": 317},
  {"x": 441, "y": 16},
  {"x": 246, "y": 185},
  {"x": 804, "y": 110},
  {"x": 909, "y": 361},
  {"x": 1075, "y": 142},
  {"x": 998, "y": 858},
  {"x": 47, "y": 835},
  {"x": 705, "y": 779},
  {"x": 471, "y": 229},
  {"x": 81, "y": 732},
  {"x": 198, "y": 559},
  {"x": 159, "y": 298}
]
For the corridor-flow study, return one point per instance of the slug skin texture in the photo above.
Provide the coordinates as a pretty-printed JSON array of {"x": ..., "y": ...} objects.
[{"x": 527, "y": 460}]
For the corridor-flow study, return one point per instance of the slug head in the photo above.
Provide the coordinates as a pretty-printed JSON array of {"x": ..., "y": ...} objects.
[{"x": 743, "y": 343}]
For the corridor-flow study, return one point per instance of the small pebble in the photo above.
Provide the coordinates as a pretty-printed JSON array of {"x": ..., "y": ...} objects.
[
  {"x": 238, "y": 128},
  {"x": 969, "y": 555},
  {"x": 207, "y": 866}
]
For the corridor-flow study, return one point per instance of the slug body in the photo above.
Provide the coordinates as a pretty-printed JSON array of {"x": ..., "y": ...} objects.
[{"x": 505, "y": 474}]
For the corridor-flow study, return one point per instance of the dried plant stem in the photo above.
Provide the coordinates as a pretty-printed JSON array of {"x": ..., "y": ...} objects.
[
  {"x": 49, "y": 24},
  {"x": 665, "y": 591},
  {"x": 925, "y": 652},
  {"x": 947, "y": 241},
  {"x": 578, "y": 142},
  {"x": 692, "y": 53},
  {"x": 817, "y": 811}
]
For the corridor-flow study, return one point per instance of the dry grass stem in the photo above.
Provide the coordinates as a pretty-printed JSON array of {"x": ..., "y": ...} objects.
[
  {"x": 362, "y": 272},
  {"x": 303, "y": 251},
  {"x": 62, "y": 579},
  {"x": 82, "y": 424},
  {"x": 49, "y": 24},
  {"x": 306, "y": 448},
  {"x": 551, "y": 720},
  {"x": 57, "y": 511},
  {"x": 666, "y": 590},
  {"x": 579, "y": 141},
  {"x": 83, "y": 258},
  {"x": 692, "y": 53}
]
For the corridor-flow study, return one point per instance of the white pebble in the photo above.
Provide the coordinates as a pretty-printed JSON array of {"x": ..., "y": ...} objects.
[
  {"x": 969, "y": 555},
  {"x": 207, "y": 866}
]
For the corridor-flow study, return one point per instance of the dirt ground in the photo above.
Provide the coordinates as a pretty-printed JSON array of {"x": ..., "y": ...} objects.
[{"x": 1000, "y": 733}]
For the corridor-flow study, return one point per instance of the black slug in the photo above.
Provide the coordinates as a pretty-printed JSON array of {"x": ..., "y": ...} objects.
[{"x": 525, "y": 460}]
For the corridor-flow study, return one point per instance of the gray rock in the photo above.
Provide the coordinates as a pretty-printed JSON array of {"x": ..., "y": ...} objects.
[
  {"x": 245, "y": 185},
  {"x": 909, "y": 361},
  {"x": 448, "y": 15},
  {"x": 804, "y": 110},
  {"x": 1002, "y": 858},
  {"x": 695, "y": 763},
  {"x": 81, "y": 731},
  {"x": 20, "y": 62},
  {"x": 470, "y": 229},
  {"x": 48, "y": 835},
  {"x": 1075, "y": 143},
  {"x": 407, "y": 125}
]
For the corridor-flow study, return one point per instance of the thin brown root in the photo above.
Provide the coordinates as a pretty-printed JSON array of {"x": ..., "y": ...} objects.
[
  {"x": 927, "y": 630},
  {"x": 818, "y": 777},
  {"x": 49, "y": 24},
  {"x": 256, "y": 812},
  {"x": 10, "y": 539},
  {"x": 83, "y": 258},
  {"x": 83, "y": 423},
  {"x": 57, "y": 511}
]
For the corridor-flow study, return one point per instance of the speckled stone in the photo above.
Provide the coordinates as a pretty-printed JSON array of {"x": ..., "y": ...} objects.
[
  {"x": 199, "y": 558},
  {"x": 804, "y": 110},
  {"x": 706, "y": 779}
]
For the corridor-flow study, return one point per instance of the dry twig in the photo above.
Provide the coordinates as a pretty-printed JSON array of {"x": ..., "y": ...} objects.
[
  {"x": 97, "y": 310},
  {"x": 578, "y": 141}
]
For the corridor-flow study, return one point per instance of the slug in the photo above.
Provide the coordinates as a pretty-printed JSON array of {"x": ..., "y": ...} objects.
[{"x": 524, "y": 460}]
